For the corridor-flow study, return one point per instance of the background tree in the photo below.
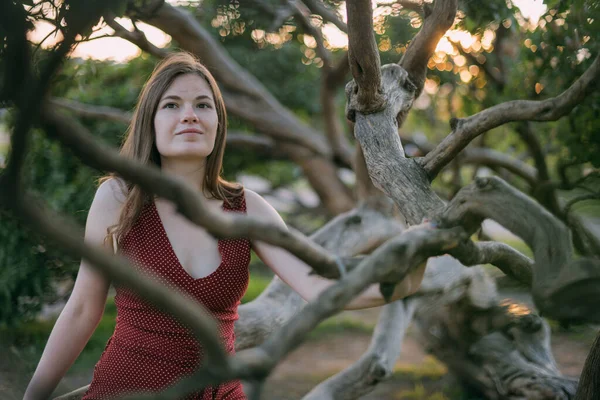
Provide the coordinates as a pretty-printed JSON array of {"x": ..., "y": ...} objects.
[{"x": 477, "y": 332}]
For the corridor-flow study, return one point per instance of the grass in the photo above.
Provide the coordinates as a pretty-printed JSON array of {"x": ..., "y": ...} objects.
[
  {"x": 420, "y": 393},
  {"x": 428, "y": 383},
  {"x": 430, "y": 368},
  {"x": 336, "y": 326},
  {"x": 258, "y": 283},
  {"x": 582, "y": 333}
]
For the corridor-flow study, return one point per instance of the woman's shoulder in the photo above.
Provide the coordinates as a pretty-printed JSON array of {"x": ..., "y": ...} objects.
[
  {"x": 260, "y": 208},
  {"x": 108, "y": 201},
  {"x": 251, "y": 196},
  {"x": 112, "y": 191}
]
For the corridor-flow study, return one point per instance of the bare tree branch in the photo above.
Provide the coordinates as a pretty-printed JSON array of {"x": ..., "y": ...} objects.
[
  {"x": 322, "y": 175},
  {"x": 250, "y": 98},
  {"x": 30, "y": 99},
  {"x": 503, "y": 349},
  {"x": 363, "y": 57},
  {"x": 573, "y": 201},
  {"x": 365, "y": 189},
  {"x": 254, "y": 143},
  {"x": 76, "y": 394},
  {"x": 589, "y": 383},
  {"x": 318, "y": 8},
  {"x": 280, "y": 14},
  {"x": 136, "y": 37},
  {"x": 378, "y": 137},
  {"x": 465, "y": 130},
  {"x": 92, "y": 111},
  {"x": 301, "y": 14},
  {"x": 377, "y": 363},
  {"x": 337, "y": 75},
  {"x": 422, "y": 46},
  {"x": 391, "y": 261},
  {"x": 525, "y": 131},
  {"x": 563, "y": 287},
  {"x": 492, "y": 157},
  {"x": 333, "y": 129},
  {"x": 510, "y": 261},
  {"x": 358, "y": 231}
]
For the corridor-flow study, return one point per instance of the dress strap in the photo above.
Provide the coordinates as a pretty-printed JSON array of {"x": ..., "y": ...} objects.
[{"x": 114, "y": 240}]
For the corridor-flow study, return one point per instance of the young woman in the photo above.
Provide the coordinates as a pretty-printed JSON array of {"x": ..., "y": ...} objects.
[{"x": 179, "y": 125}]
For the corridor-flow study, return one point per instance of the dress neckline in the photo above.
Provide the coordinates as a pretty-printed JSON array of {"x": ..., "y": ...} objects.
[{"x": 172, "y": 250}]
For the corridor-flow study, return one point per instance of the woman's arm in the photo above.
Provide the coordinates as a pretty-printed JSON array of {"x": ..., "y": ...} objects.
[
  {"x": 85, "y": 306},
  {"x": 295, "y": 272}
]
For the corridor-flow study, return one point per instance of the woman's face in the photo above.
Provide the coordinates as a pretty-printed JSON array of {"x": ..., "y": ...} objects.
[{"x": 186, "y": 119}]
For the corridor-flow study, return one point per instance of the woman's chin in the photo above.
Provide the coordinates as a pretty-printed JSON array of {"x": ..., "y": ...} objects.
[{"x": 188, "y": 155}]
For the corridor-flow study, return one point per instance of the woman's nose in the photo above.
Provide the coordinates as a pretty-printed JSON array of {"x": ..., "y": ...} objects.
[{"x": 188, "y": 115}]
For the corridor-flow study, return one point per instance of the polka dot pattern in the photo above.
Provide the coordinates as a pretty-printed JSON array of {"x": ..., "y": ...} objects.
[{"x": 150, "y": 350}]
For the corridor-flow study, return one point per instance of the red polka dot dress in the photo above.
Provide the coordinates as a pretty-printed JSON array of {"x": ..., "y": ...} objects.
[{"x": 150, "y": 350}]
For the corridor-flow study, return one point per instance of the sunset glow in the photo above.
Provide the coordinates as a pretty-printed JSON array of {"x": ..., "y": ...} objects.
[{"x": 121, "y": 50}]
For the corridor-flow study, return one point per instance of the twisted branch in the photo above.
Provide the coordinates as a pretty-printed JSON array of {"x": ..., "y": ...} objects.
[{"x": 467, "y": 129}]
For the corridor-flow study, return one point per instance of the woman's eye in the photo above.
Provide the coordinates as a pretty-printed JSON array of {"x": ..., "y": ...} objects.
[
  {"x": 170, "y": 105},
  {"x": 203, "y": 105}
]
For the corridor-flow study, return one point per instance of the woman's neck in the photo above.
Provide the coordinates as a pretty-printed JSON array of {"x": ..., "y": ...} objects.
[{"x": 192, "y": 172}]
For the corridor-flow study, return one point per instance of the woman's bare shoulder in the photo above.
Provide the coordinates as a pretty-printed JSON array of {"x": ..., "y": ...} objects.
[
  {"x": 108, "y": 202},
  {"x": 112, "y": 191}
]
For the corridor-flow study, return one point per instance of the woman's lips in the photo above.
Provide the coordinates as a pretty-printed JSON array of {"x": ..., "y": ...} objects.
[{"x": 199, "y": 132}]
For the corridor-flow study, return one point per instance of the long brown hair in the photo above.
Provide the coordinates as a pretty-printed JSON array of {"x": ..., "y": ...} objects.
[{"x": 140, "y": 139}]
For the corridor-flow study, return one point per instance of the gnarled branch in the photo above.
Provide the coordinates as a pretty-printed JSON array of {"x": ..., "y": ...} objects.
[
  {"x": 92, "y": 111},
  {"x": 363, "y": 57},
  {"x": 318, "y": 8},
  {"x": 136, "y": 37},
  {"x": 377, "y": 363},
  {"x": 437, "y": 21},
  {"x": 495, "y": 158},
  {"x": 562, "y": 287},
  {"x": 465, "y": 130}
]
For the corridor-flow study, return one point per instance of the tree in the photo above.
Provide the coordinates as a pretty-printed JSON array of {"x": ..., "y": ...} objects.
[{"x": 457, "y": 309}]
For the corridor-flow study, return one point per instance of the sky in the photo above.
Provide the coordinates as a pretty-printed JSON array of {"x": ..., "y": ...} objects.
[{"x": 121, "y": 50}]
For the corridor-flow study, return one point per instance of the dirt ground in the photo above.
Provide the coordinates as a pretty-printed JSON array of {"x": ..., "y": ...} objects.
[
  {"x": 318, "y": 359},
  {"x": 417, "y": 375}
]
